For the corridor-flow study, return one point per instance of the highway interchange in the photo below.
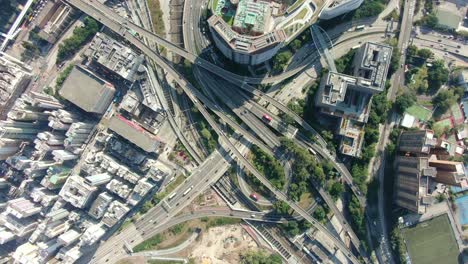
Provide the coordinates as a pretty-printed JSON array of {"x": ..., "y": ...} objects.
[{"x": 246, "y": 109}]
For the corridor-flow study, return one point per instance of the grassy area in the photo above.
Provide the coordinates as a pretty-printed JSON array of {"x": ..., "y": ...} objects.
[
  {"x": 157, "y": 17},
  {"x": 432, "y": 241},
  {"x": 214, "y": 4},
  {"x": 419, "y": 82},
  {"x": 155, "y": 261},
  {"x": 419, "y": 112},
  {"x": 179, "y": 233},
  {"x": 306, "y": 200},
  {"x": 177, "y": 181},
  {"x": 457, "y": 114},
  {"x": 125, "y": 224},
  {"x": 395, "y": 15},
  {"x": 441, "y": 125},
  {"x": 295, "y": 5},
  {"x": 301, "y": 14}
]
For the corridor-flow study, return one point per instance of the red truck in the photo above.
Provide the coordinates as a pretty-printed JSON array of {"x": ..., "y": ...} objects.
[
  {"x": 267, "y": 118},
  {"x": 254, "y": 196}
]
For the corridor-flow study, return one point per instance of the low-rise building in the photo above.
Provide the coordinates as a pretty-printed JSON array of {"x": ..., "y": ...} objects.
[
  {"x": 92, "y": 234},
  {"x": 352, "y": 137},
  {"x": 412, "y": 179},
  {"x": 449, "y": 172},
  {"x": 115, "y": 212},
  {"x": 69, "y": 237},
  {"x": 114, "y": 56},
  {"x": 77, "y": 192},
  {"x": 22, "y": 208},
  {"x": 135, "y": 134},
  {"x": 53, "y": 19},
  {"x": 140, "y": 190},
  {"x": 87, "y": 91},
  {"x": 417, "y": 142},
  {"x": 99, "y": 206},
  {"x": 119, "y": 188}
]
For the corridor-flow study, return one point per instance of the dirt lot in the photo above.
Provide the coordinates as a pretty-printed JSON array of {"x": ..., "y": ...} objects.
[{"x": 220, "y": 245}]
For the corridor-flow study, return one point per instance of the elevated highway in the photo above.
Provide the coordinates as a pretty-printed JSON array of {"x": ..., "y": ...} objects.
[{"x": 190, "y": 90}]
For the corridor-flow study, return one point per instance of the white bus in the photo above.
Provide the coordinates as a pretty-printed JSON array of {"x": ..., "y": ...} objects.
[
  {"x": 360, "y": 27},
  {"x": 188, "y": 190},
  {"x": 172, "y": 195},
  {"x": 312, "y": 151}
]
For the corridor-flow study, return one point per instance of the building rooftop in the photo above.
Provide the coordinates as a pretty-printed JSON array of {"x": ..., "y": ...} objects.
[
  {"x": 251, "y": 16},
  {"x": 448, "y": 19},
  {"x": 349, "y": 96},
  {"x": 417, "y": 142},
  {"x": 352, "y": 137},
  {"x": 77, "y": 192},
  {"x": 339, "y": 96},
  {"x": 115, "y": 212},
  {"x": 243, "y": 43},
  {"x": 100, "y": 204},
  {"x": 412, "y": 181},
  {"x": 115, "y": 56},
  {"x": 87, "y": 91},
  {"x": 371, "y": 63},
  {"x": 134, "y": 133}
]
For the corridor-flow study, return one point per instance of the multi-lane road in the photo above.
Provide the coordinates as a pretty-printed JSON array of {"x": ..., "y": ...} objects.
[
  {"x": 123, "y": 31},
  {"x": 189, "y": 90}
]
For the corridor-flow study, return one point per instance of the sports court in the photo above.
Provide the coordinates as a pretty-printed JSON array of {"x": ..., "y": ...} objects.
[
  {"x": 432, "y": 241},
  {"x": 457, "y": 114},
  {"x": 420, "y": 112},
  {"x": 442, "y": 124},
  {"x": 462, "y": 205}
]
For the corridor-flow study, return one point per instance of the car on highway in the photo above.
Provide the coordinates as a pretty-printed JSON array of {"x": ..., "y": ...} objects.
[
  {"x": 254, "y": 196},
  {"x": 267, "y": 118}
]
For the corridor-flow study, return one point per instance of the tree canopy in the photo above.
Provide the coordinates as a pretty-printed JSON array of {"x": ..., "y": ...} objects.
[
  {"x": 260, "y": 257},
  {"x": 80, "y": 35}
]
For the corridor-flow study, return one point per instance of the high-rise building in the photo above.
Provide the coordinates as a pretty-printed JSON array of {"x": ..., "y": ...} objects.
[
  {"x": 349, "y": 97},
  {"x": 339, "y": 7},
  {"x": 14, "y": 78}
]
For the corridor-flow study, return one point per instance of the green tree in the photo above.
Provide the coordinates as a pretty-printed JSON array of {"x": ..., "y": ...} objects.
[
  {"x": 443, "y": 100},
  {"x": 260, "y": 257},
  {"x": 336, "y": 189},
  {"x": 345, "y": 63},
  {"x": 357, "y": 217},
  {"x": 320, "y": 214},
  {"x": 369, "y": 8},
  {"x": 281, "y": 207},
  {"x": 281, "y": 60},
  {"x": 292, "y": 228},
  {"x": 430, "y": 20},
  {"x": 404, "y": 102},
  {"x": 412, "y": 50},
  {"x": 296, "y": 44},
  {"x": 425, "y": 53},
  {"x": 437, "y": 75},
  {"x": 80, "y": 35}
]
